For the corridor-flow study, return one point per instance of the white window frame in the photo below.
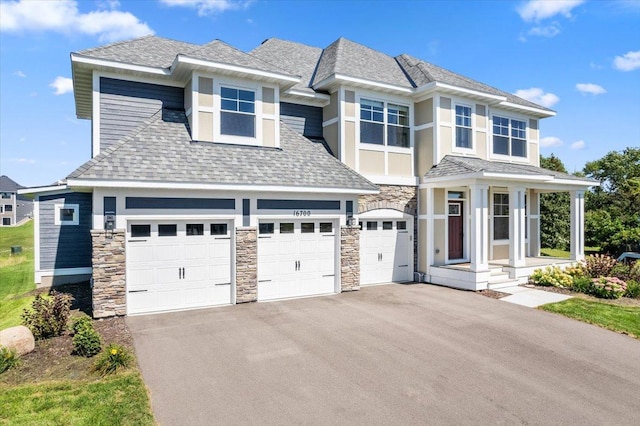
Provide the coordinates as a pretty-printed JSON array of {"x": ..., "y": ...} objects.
[
  {"x": 490, "y": 135},
  {"x": 10, "y": 208},
  {"x": 494, "y": 216},
  {"x": 218, "y": 137},
  {"x": 385, "y": 124},
  {"x": 76, "y": 214},
  {"x": 454, "y": 125}
]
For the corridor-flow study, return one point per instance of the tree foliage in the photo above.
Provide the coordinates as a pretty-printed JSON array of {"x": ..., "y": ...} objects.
[
  {"x": 612, "y": 219},
  {"x": 555, "y": 207}
]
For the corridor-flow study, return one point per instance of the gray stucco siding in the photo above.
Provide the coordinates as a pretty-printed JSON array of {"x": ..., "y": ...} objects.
[
  {"x": 303, "y": 119},
  {"x": 65, "y": 246},
  {"x": 124, "y": 105}
]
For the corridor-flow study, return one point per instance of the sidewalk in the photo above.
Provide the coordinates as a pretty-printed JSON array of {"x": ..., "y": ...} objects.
[{"x": 531, "y": 297}]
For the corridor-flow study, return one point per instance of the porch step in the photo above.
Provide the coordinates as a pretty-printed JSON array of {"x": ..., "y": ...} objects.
[
  {"x": 498, "y": 276},
  {"x": 508, "y": 282}
]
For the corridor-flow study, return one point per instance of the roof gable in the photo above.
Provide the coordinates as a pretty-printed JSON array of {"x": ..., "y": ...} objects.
[{"x": 9, "y": 185}]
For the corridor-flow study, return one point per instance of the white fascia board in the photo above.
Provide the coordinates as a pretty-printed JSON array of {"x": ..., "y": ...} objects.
[
  {"x": 119, "y": 65},
  {"x": 434, "y": 182},
  {"x": 539, "y": 112},
  {"x": 584, "y": 183},
  {"x": 508, "y": 176},
  {"x": 212, "y": 187},
  {"x": 341, "y": 78},
  {"x": 42, "y": 189},
  {"x": 435, "y": 85},
  {"x": 182, "y": 59},
  {"x": 319, "y": 96}
]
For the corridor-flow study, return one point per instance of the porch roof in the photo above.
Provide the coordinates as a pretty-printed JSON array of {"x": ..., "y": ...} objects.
[{"x": 456, "y": 168}]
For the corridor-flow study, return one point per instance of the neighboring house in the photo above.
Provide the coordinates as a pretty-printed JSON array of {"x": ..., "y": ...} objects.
[
  {"x": 220, "y": 177},
  {"x": 14, "y": 208}
]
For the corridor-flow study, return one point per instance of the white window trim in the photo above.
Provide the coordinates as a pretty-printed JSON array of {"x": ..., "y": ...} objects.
[
  {"x": 493, "y": 216},
  {"x": 385, "y": 122},
  {"x": 76, "y": 214},
  {"x": 509, "y": 116},
  {"x": 454, "y": 136}
]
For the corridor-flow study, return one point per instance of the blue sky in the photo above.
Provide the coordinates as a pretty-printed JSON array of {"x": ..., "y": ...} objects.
[{"x": 580, "y": 58}]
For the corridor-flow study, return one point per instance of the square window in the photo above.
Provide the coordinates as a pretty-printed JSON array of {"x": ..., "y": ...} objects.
[
  {"x": 286, "y": 228},
  {"x": 266, "y": 228},
  {"x": 6, "y": 221},
  {"x": 372, "y": 226},
  {"x": 9, "y": 208},
  {"x": 387, "y": 225},
  {"x": 454, "y": 209},
  {"x": 167, "y": 230},
  {"x": 326, "y": 227},
  {"x": 308, "y": 228},
  {"x": 65, "y": 214},
  {"x": 6, "y": 195},
  {"x": 195, "y": 229},
  {"x": 401, "y": 225},
  {"x": 218, "y": 229},
  {"x": 140, "y": 230}
]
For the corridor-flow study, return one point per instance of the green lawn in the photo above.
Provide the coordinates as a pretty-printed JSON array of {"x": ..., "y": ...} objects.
[
  {"x": 565, "y": 254},
  {"x": 623, "y": 319},
  {"x": 16, "y": 273},
  {"x": 116, "y": 400}
]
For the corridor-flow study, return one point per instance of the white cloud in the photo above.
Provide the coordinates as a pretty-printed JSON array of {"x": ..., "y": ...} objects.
[
  {"x": 628, "y": 62},
  {"x": 208, "y": 7},
  {"x": 62, "y": 85},
  {"x": 578, "y": 145},
  {"x": 550, "y": 141},
  {"x": 23, "y": 160},
  {"x": 64, "y": 17},
  {"x": 20, "y": 74},
  {"x": 545, "y": 31},
  {"x": 591, "y": 88},
  {"x": 538, "y": 10},
  {"x": 595, "y": 66},
  {"x": 538, "y": 96}
]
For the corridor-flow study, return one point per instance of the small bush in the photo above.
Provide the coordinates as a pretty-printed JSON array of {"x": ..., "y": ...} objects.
[
  {"x": 79, "y": 323},
  {"x": 608, "y": 287},
  {"x": 598, "y": 265},
  {"x": 87, "y": 342},
  {"x": 582, "y": 285},
  {"x": 621, "y": 270},
  {"x": 634, "y": 271},
  {"x": 112, "y": 359},
  {"x": 576, "y": 271},
  {"x": 8, "y": 359},
  {"x": 551, "y": 276},
  {"x": 633, "y": 289},
  {"x": 48, "y": 316}
]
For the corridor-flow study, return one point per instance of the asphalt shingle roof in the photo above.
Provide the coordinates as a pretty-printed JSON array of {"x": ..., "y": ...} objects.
[
  {"x": 453, "y": 165},
  {"x": 9, "y": 185},
  {"x": 162, "y": 151}
]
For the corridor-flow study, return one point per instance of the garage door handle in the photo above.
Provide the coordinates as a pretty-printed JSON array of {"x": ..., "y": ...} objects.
[
  {"x": 136, "y": 241},
  {"x": 403, "y": 232},
  {"x": 402, "y": 266},
  {"x": 223, "y": 238},
  {"x": 223, "y": 284},
  {"x": 332, "y": 275},
  {"x": 328, "y": 235},
  {"x": 137, "y": 291},
  {"x": 264, "y": 237},
  {"x": 183, "y": 274},
  {"x": 264, "y": 281}
]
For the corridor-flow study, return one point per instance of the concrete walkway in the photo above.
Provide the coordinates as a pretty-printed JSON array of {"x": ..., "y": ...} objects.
[{"x": 531, "y": 297}]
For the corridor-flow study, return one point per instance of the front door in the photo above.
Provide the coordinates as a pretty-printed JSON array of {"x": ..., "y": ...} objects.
[{"x": 456, "y": 234}]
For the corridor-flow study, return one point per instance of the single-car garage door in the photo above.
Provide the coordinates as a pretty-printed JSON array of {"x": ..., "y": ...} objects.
[
  {"x": 385, "y": 251},
  {"x": 296, "y": 258},
  {"x": 174, "y": 265}
]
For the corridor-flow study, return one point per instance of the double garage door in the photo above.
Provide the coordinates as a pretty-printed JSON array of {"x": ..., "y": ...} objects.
[
  {"x": 385, "y": 251},
  {"x": 174, "y": 265}
]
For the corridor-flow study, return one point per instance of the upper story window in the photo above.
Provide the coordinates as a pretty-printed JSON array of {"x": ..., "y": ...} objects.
[
  {"x": 463, "y": 126},
  {"x": 238, "y": 112},
  {"x": 375, "y": 116},
  {"x": 509, "y": 137},
  {"x": 6, "y": 195}
]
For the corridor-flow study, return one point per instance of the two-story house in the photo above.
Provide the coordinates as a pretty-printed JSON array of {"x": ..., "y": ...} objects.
[
  {"x": 221, "y": 177},
  {"x": 14, "y": 208}
]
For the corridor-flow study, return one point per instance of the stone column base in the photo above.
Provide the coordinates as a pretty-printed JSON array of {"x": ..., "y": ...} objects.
[
  {"x": 109, "y": 271},
  {"x": 350, "y": 258},
  {"x": 246, "y": 264}
]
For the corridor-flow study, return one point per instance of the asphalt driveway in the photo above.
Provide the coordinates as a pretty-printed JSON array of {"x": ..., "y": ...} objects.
[{"x": 394, "y": 354}]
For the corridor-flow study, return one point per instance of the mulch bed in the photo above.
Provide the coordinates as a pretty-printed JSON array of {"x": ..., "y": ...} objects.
[{"x": 493, "y": 294}]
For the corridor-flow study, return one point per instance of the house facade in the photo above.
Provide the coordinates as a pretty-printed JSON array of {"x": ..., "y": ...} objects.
[
  {"x": 219, "y": 176},
  {"x": 14, "y": 208}
]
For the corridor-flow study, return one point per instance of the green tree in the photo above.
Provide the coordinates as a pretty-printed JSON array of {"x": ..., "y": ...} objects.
[
  {"x": 555, "y": 208},
  {"x": 612, "y": 220}
]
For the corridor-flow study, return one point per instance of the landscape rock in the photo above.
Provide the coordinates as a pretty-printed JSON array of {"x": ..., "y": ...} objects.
[{"x": 19, "y": 338}]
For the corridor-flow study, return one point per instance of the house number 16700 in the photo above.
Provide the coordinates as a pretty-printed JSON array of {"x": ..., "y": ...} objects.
[{"x": 299, "y": 213}]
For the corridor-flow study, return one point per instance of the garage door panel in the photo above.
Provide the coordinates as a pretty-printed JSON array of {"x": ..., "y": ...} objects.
[
  {"x": 196, "y": 251},
  {"x": 385, "y": 251},
  {"x": 167, "y": 251},
  {"x": 141, "y": 253},
  {"x": 141, "y": 277}
]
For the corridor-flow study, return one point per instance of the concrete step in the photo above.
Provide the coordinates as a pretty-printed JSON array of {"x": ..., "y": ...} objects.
[
  {"x": 502, "y": 284},
  {"x": 498, "y": 276}
]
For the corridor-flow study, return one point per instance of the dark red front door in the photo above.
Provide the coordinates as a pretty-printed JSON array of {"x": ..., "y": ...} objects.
[{"x": 455, "y": 229}]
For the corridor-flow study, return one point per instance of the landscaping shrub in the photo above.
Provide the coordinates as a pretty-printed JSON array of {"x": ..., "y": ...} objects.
[
  {"x": 86, "y": 340},
  {"x": 551, "y": 276},
  {"x": 582, "y": 285},
  {"x": 113, "y": 358},
  {"x": 608, "y": 287},
  {"x": 633, "y": 289},
  {"x": 634, "y": 271},
  {"x": 48, "y": 316},
  {"x": 598, "y": 265},
  {"x": 576, "y": 271},
  {"x": 8, "y": 359},
  {"x": 621, "y": 270}
]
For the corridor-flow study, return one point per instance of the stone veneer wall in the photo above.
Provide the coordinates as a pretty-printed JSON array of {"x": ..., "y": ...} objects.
[
  {"x": 109, "y": 272},
  {"x": 350, "y": 258},
  {"x": 246, "y": 264},
  {"x": 396, "y": 197}
]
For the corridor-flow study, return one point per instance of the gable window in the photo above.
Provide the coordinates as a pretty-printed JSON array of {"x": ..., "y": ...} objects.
[
  {"x": 6, "y": 195},
  {"x": 66, "y": 214},
  {"x": 376, "y": 116},
  {"x": 500, "y": 216},
  {"x": 463, "y": 126},
  {"x": 238, "y": 112},
  {"x": 509, "y": 137}
]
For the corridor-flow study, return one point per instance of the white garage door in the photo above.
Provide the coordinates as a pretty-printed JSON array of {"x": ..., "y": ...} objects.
[
  {"x": 178, "y": 265},
  {"x": 296, "y": 258},
  {"x": 385, "y": 251}
]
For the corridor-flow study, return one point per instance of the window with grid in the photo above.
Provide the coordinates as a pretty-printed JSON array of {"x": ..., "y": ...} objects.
[
  {"x": 463, "y": 126},
  {"x": 509, "y": 137},
  {"x": 375, "y": 129},
  {"x": 238, "y": 112},
  {"x": 397, "y": 125},
  {"x": 371, "y": 122},
  {"x": 500, "y": 216}
]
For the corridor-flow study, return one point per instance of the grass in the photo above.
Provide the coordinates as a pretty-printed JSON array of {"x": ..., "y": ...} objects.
[
  {"x": 115, "y": 400},
  {"x": 623, "y": 319},
  {"x": 565, "y": 254},
  {"x": 16, "y": 273}
]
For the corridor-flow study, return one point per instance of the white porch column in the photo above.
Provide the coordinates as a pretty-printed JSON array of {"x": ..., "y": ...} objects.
[
  {"x": 479, "y": 249},
  {"x": 430, "y": 243},
  {"x": 517, "y": 253},
  {"x": 577, "y": 225}
]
